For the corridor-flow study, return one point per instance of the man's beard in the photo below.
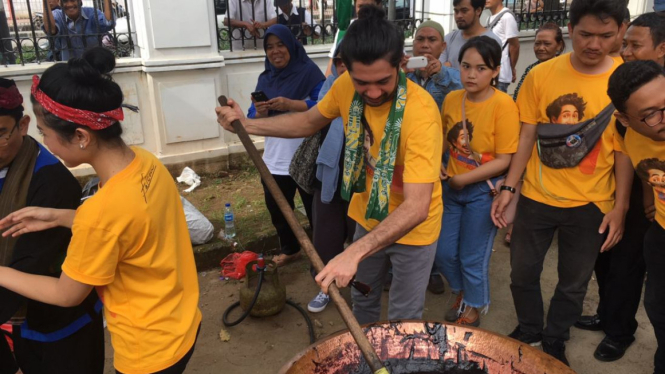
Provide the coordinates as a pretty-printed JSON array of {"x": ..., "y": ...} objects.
[{"x": 381, "y": 100}]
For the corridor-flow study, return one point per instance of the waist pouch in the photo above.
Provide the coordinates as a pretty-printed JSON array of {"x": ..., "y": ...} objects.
[{"x": 563, "y": 146}]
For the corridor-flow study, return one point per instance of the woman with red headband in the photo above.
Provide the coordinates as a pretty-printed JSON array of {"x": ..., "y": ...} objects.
[{"x": 130, "y": 240}]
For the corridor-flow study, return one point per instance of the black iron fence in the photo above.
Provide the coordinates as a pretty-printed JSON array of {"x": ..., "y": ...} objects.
[
  {"x": 241, "y": 24},
  {"x": 531, "y": 14},
  {"x": 24, "y": 24}
]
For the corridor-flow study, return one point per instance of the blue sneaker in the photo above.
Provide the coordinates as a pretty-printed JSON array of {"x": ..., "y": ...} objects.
[{"x": 318, "y": 303}]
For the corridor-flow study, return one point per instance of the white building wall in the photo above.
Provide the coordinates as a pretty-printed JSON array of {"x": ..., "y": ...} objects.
[{"x": 180, "y": 73}]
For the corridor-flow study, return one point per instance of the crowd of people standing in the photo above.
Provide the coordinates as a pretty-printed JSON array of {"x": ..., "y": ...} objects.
[
  {"x": 405, "y": 172},
  {"x": 530, "y": 161}
]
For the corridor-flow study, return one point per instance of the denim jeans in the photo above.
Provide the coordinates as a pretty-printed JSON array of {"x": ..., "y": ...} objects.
[
  {"x": 465, "y": 244},
  {"x": 654, "y": 297}
]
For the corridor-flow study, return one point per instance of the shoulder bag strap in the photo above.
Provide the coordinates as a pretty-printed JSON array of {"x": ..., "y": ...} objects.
[{"x": 468, "y": 142}]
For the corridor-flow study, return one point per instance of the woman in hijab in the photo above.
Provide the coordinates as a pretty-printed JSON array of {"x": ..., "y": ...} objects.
[{"x": 291, "y": 82}]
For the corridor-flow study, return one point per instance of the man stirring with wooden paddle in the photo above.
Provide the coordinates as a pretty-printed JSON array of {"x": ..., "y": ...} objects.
[{"x": 391, "y": 167}]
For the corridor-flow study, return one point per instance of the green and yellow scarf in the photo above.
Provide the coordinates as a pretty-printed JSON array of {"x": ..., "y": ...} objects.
[{"x": 353, "y": 178}]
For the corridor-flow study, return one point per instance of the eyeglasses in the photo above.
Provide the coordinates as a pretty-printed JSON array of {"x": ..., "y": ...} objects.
[
  {"x": 4, "y": 140},
  {"x": 652, "y": 119}
]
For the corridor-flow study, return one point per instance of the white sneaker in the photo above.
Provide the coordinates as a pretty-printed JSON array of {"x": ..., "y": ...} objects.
[{"x": 318, "y": 303}]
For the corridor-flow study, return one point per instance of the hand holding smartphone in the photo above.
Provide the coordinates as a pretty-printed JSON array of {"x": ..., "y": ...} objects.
[
  {"x": 417, "y": 62},
  {"x": 259, "y": 96}
]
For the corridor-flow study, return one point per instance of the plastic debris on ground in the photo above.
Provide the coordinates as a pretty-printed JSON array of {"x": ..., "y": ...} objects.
[
  {"x": 200, "y": 228},
  {"x": 224, "y": 335},
  {"x": 189, "y": 177},
  {"x": 233, "y": 265}
]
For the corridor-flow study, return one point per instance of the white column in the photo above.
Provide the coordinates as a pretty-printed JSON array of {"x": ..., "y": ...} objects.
[{"x": 177, "y": 44}]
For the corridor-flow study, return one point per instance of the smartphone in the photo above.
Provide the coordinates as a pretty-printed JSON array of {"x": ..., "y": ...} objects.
[
  {"x": 416, "y": 62},
  {"x": 259, "y": 96}
]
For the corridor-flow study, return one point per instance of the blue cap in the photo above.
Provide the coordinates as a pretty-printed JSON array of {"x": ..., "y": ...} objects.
[{"x": 227, "y": 205}]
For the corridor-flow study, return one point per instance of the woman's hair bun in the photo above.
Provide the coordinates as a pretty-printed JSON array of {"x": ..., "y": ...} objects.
[
  {"x": 371, "y": 12},
  {"x": 96, "y": 63}
]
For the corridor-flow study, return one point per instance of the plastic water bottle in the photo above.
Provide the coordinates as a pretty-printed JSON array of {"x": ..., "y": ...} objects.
[{"x": 229, "y": 224}]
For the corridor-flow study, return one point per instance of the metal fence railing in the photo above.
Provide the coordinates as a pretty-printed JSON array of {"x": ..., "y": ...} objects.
[
  {"x": 23, "y": 36},
  {"x": 531, "y": 14},
  {"x": 241, "y": 25}
]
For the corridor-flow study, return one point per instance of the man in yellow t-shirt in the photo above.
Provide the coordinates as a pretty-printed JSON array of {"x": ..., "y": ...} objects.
[
  {"x": 392, "y": 162},
  {"x": 636, "y": 90},
  {"x": 585, "y": 203},
  {"x": 620, "y": 272}
]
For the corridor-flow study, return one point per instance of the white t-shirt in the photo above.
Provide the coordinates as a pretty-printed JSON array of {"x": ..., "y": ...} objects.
[
  {"x": 294, "y": 11},
  {"x": 278, "y": 153},
  {"x": 249, "y": 10},
  {"x": 505, "y": 29}
]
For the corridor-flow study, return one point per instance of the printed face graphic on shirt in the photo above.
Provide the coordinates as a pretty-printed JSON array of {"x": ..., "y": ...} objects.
[
  {"x": 566, "y": 109},
  {"x": 457, "y": 138},
  {"x": 569, "y": 109},
  {"x": 652, "y": 170}
]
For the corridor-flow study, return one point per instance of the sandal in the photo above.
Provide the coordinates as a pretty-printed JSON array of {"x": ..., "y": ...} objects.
[{"x": 283, "y": 260}]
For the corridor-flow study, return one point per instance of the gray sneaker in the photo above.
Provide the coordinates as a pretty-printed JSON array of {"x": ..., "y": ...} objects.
[{"x": 318, "y": 303}]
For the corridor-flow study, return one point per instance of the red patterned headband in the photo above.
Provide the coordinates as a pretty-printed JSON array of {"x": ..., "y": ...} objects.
[{"x": 93, "y": 120}]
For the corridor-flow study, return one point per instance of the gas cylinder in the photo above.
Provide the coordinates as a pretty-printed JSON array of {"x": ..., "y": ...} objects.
[{"x": 272, "y": 296}]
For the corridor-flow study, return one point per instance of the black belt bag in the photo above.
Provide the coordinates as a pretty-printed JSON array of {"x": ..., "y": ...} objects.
[{"x": 563, "y": 146}]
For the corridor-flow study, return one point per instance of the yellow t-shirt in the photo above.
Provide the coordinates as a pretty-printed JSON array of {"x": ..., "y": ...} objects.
[
  {"x": 130, "y": 240},
  {"x": 648, "y": 158},
  {"x": 418, "y": 155},
  {"x": 493, "y": 125},
  {"x": 554, "y": 92}
]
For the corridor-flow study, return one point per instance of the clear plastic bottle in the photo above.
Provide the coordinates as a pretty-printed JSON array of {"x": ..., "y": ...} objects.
[{"x": 229, "y": 223}]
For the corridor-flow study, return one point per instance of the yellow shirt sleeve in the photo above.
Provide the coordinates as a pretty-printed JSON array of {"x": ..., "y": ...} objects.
[
  {"x": 619, "y": 145},
  {"x": 422, "y": 159},
  {"x": 527, "y": 100},
  {"x": 92, "y": 256},
  {"x": 329, "y": 105},
  {"x": 507, "y": 133}
]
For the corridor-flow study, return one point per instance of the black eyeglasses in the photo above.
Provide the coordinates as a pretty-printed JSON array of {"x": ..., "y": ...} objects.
[
  {"x": 4, "y": 140},
  {"x": 652, "y": 119}
]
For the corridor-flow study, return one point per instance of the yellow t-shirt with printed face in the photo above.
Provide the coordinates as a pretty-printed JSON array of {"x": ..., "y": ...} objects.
[
  {"x": 493, "y": 126},
  {"x": 554, "y": 92},
  {"x": 648, "y": 158},
  {"x": 130, "y": 240},
  {"x": 418, "y": 155}
]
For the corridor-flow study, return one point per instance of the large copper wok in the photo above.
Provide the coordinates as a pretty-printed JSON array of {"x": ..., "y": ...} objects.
[{"x": 417, "y": 346}]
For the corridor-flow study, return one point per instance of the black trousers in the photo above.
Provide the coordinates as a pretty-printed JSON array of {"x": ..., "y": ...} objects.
[
  {"x": 654, "y": 296},
  {"x": 81, "y": 352},
  {"x": 287, "y": 240},
  {"x": 579, "y": 245},
  {"x": 332, "y": 227},
  {"x": 620, "y": 273}
]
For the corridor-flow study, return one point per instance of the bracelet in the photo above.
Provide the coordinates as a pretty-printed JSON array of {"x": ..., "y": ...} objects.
[{"x": 507, "y": 188}]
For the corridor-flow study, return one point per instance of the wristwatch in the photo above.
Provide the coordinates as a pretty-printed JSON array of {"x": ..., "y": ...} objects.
[{"x": 507, "y": 188}]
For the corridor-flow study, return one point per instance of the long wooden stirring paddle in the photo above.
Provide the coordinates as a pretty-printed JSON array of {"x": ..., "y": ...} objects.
[{"x": 354, "y": 327}]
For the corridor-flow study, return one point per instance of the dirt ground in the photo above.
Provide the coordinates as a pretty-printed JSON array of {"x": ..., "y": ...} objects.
[{"x": 262, "y": 346}]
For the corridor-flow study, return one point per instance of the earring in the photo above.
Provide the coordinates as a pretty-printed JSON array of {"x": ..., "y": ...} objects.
[{"x": 81, "y": 146}]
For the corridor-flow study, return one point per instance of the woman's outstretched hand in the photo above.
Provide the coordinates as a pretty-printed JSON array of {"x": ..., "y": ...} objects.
[{"x": 33, "y": 219}]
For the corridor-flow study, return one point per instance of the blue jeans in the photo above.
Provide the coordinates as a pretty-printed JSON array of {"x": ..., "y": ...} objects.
[{"x": 465, "y": 244}]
